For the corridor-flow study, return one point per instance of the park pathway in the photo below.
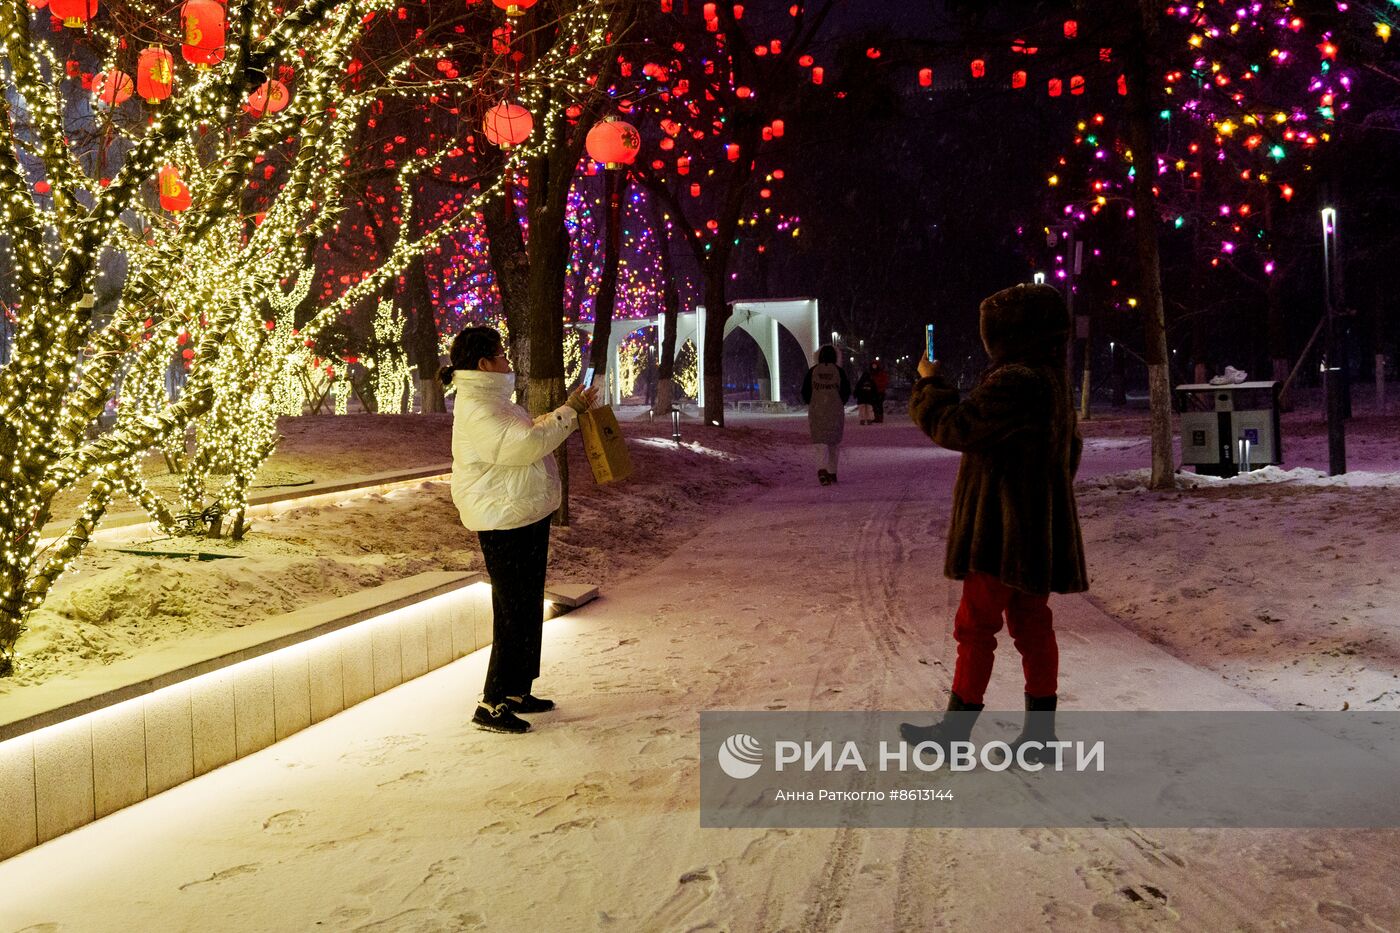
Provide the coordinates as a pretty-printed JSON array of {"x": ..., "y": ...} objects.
[{"x": 397, "y": 816}]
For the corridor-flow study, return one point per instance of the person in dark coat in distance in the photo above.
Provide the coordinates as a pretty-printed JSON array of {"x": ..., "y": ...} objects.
[
  {"x": 1013, "y": 538},
  {"x": 881, "y": 377},
  {"x": 865, "y": 398},
  {"x": 825, "y": 389}
]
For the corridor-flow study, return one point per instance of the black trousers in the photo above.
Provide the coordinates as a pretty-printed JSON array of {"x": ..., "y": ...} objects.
[
  {"x": 515, "y": 561},
  {"x": 879, "y": 407}
]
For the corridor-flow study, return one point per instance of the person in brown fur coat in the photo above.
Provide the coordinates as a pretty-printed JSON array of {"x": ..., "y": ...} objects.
[{"x": 1013, "y": 538}]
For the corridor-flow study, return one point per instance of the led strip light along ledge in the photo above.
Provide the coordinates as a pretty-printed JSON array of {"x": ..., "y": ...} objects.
[
  {"x": 125, "y": 526},
  {"x": 76, "y": 749}
]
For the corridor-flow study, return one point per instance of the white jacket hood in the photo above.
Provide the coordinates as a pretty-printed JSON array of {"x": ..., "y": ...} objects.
[{"x": 503, "y": 474}]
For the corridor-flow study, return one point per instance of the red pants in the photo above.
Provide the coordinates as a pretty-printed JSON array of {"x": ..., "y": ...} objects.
[{"x": 985, "y": 599}]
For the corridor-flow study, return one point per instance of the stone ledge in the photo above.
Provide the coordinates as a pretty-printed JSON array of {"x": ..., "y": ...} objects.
[
  {"x": 68, "y": 697},
  {"x": 76, "y": 749},
  {"x": 570, "y": 595}
]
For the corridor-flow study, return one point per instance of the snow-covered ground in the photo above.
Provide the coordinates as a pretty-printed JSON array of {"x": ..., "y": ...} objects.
[
  {"x": 112, "y": 603},
  {"x": 397, "y": 816},
  {"x": 1284, "y": 581}
]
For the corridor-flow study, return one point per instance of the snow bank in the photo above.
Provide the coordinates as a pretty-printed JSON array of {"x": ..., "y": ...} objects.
[{"x": 1301, "y": 476}]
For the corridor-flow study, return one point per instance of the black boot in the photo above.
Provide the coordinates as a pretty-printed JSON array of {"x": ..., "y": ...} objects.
[
  {"x": 1039, "y": 727},
  {"x": 497, "y": 717},
  {"x": 953, "y": 728},
  {"x": 529, "y": 703}
]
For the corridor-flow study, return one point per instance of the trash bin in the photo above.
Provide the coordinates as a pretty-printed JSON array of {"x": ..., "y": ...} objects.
[{"x": 1230, "y": 428}]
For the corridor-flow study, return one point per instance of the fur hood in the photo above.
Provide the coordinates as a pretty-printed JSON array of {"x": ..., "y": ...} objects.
[{"x": 1027, "y": 324}]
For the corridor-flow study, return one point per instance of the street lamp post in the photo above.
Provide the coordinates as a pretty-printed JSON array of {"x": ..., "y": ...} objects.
[{"x": 1333, "y": 362}]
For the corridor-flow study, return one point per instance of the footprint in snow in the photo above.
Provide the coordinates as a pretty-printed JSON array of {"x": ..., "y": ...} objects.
[
  {"x": 284, "y": 822},
  {"x": 223, "y": 875},
  {"x": 1348, "y": 918}
]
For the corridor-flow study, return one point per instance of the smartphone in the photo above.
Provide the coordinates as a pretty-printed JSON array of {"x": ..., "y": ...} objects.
[
  {"x": 588, "y": 378},
  {"x": 928, "y": 342}
]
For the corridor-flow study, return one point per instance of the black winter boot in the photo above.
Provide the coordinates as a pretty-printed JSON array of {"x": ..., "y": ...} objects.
[
  {"x": 1039, "y": 727},
  {"x": 956, "y": 727},
  {"x": 497, "y": 717}
]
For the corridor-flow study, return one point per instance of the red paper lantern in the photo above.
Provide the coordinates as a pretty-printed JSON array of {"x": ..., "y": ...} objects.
[
  {"x": 43, "y": 187},
  {"x": 1018, "y": 79},
  {"x": 779, "y": 128},
  {"x": 507, "y": 125},
  {"x": 613, "y": 142},
  {"x": 270, "y": 97},
  {"x": 1076, "y": 84},
  {"x": 38, "y": 4},
  {"x": 695, "y": 189},
  {"x": 1055, "y": 87},
  {"x": 74, "y": 13},
  {"x": 205, "y": 23},
  {"x": 1071, "y": 29},
  {"x": 174, "y": 193},
  {"x": 979, "y": 68},
  {"x": 731, "y": 151},
  {"x": 112, "y": 87},
  {"x": 155, "y": 74},
  {"x": 514, "y": 7},
  {"x": 817, "y": 73},
  {"x": 683, "y": 165},
  {"x": 925, "y": 77}
]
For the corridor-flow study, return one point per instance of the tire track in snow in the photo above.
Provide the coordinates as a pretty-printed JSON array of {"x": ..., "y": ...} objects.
[{"x": 878, "y": 557}]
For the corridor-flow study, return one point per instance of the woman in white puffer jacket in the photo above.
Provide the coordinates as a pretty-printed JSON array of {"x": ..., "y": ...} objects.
[{"x": 506, "y": 488}]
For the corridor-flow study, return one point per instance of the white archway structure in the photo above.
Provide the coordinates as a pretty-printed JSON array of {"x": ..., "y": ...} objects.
[
  {"x": 761, "y": 320},
  {"x": 622, "y": 329}
]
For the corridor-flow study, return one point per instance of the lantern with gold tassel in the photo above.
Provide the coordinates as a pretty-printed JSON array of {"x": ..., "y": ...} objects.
[
  {"x": 112, "y": 87},
  {"x": 155, "y": 74},
  {"x": 74, "y": 13},
  {"x": 174, "y": 193},
  {"x": 205, "y": 23}
]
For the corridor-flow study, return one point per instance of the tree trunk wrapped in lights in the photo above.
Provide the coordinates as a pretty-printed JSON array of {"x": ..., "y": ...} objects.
[
  {"x": 208, "y": 272},
  {"x": 392, "y": 378}
]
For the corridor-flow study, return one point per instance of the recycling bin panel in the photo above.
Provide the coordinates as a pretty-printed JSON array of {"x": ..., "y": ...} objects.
[{"x": 1200, "y": 438}]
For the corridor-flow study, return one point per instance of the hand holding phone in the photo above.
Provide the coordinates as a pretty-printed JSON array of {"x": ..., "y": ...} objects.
[{"x": 928, "y": 344}]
